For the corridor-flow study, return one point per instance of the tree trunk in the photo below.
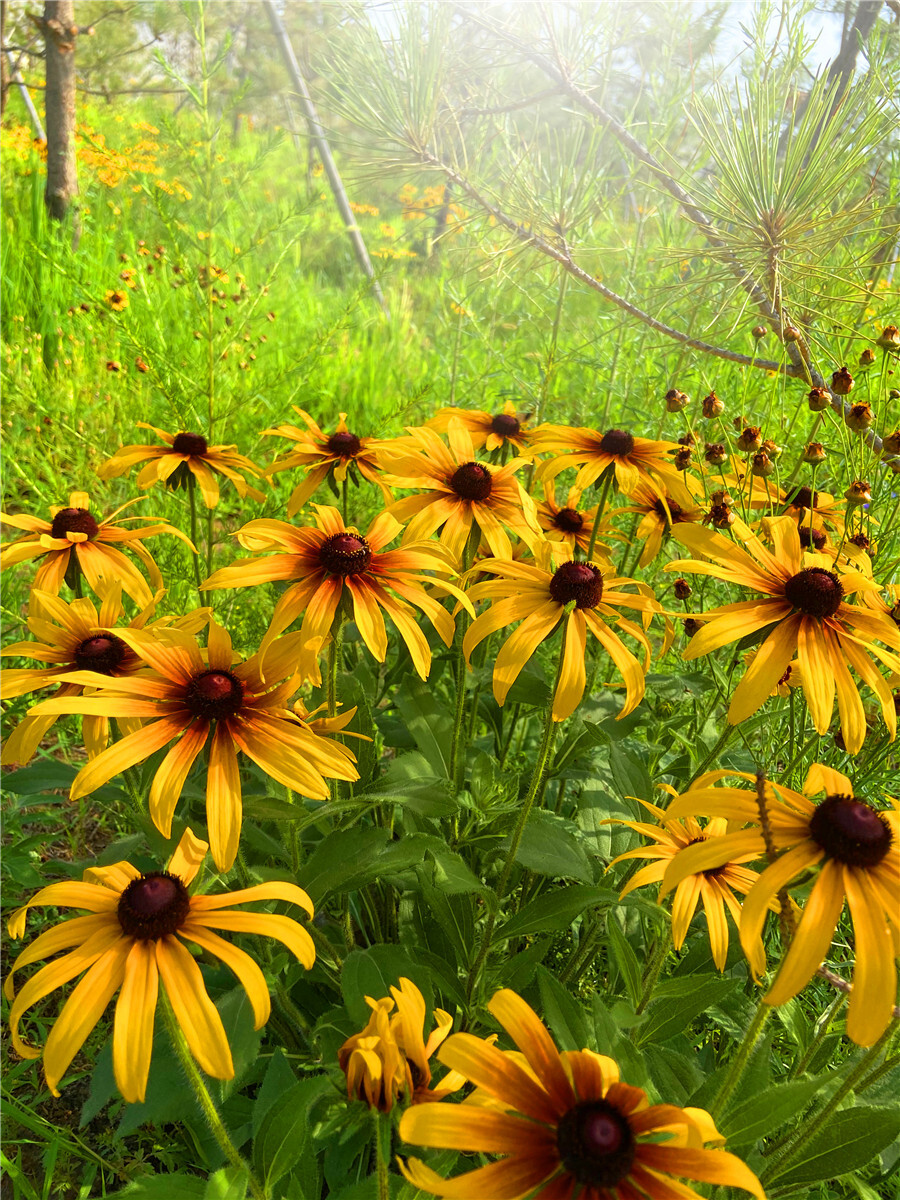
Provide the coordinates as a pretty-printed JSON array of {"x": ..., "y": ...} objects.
[{"x": 60, "y": 32}]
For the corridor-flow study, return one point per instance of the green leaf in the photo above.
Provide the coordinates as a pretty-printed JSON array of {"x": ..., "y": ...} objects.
[
  {"x": 675, "y": 1008},
  {"x": 410, "y": 781},
  {"x": 454, "y": 916},
  {"x": 563, "y": 1013},
  {"x": 626, "y": 959},
  {"x": 748, "y": 1122},
  {"x": 177, "y": 1186},
  {"x": 278, "y": 1079},
  {"x": 338, "y": 858},
  {"x": 284, "y": 1139},
  {"x": 849, "y": 1141},
  {"x": 237, "y": 1018},
  {"x": 556, "y": 911},
  {"x": 549, "y": 846},
  {"x": 373, "y": 972},
  {"x": 430, "y": 725},
  {"x": 228, "y": 1184},
  {"x": 629, "y": 773},
  {"x": 452, "y": 874}
]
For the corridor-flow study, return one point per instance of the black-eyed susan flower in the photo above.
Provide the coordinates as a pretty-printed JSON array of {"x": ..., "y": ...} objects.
[
  {"x": 133, "y": 941},
  {"x": 715, "y": 887},
  {"x": 389, "y": 1059},
  {"x": 333, "y": 560},
  {"x": 197, "y": 701},
  {"x": 569, "y": 523},
  {"x": 633, "y": 459},
  {"x": 658, "y": 514},
  {"x": 457, "y": 492},
  {"x": 75, "y": 637},
  {"x": 578, "y": 594},
  {"x": 319, "y": 454},
  {"x": 75, "y": 542},
  {"x": 566, "y": 1124},
  {"x": 184, "y": 455},
  {"x": 492, "y": 431},
  {"x": 803, "y": 598},
  {"x": 117, "y": 300},
  {"x": 857, "y": 850}
]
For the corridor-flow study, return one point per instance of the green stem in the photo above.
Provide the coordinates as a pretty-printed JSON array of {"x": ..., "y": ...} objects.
[
  {"x": 210, "y": 540},
  {"x": 383, "y": 1190},
  {"x": 461, "y": 669},
  {"x": 344, "y": 499},
  {"x": 507, "y": 742},
  {"x": 726, "y": 736},
  {"x": 535, "y": 789},
  {"x": 740, "y": 1060},
  {"x": 204, "y": 1099},
  {"x": 605, "y": 486},
  {"x": 660, "y": 954},
  {"x": 822, "y": 1027},
  {"x": 813, "y": 1127},
  {"x": 192, "y": 504}
]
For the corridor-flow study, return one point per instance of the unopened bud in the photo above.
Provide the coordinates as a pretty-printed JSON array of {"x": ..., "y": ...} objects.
[
  {"x": 722, "y": 497},
  {"x": 859, "y": 492},
  {"x": 842, "y": 382},
  {"x": 814, "y": 454},
  {"x": 818, "y": 399},
  {"x": 687, "y": 439},
  {"x": 771, "y": 448},
  {"x": 682, "y": 589},
  {"x": 716, "y": 454},
  {"x": 712, "y": 406},
  {"x": 676, "y": 401},
  {"x": 892, "y": 443},
  {"x": 867, "y": 357},
  {"x": 889, "y": 338},
  {"x": 762, "y": 466},
  {"x": 791, "y": 334},
  {"x": 894, "y": 394},
  {"x": 683, "y": 458},
  {"x": 859, "y": 417},
  {"x": 750, "y": 439},
  {"x": 759, "y": 332}
]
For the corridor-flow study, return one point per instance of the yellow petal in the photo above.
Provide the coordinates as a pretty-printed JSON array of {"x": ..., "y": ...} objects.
[
  {"x": 874, "y": 972},
  {"x": 133, "y": 1026},
  {"x": 251, "y": 977},
  {"x": 274, "y": 925},
  {"x": 193, "y": 1009}
]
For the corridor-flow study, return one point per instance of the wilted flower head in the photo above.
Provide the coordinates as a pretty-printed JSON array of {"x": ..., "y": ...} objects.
[{"x": 842, "y": 382}]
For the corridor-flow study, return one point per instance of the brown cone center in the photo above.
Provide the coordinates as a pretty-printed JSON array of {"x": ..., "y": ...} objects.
[
  {"x": 344, "y": 444},
  {"x": 568, "y": 520},
  {"x": 190, "y": 443},
  {"x": 579, "y": 582},
  {"x": 345, "y": 554},
  {"x": 153, "y": 906},
  {"x": 214, "y": 695},
  {"x": 73, "y": 520},
  {"x": 804, "y": 497},
  {"x": 812, "y": 538},
  {"x": 617, "y": 442},
  {"x": 670, "y": 517},
  {"x": 595, "y": 1144},
  {"x": 815, "y": 592},
  {"x": 103, "y": 652},
  {"x": 850, "y": 831},
  {"x": 472, "y": 481},
  {"x": 505, "y": 425}
]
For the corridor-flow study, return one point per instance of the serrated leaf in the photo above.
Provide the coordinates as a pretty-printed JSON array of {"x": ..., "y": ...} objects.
[
  {"x": 556, "y": 911},
  {"x": 669, "y": 1014},
  {"x": 746, "y": 1123},
  {"x": 549, "y": 846},
  {"x": 851, "y": 1139},
  {"x": 284, "y": 1139}
]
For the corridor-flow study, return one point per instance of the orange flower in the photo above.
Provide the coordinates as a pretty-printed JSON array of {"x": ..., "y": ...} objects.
[
  {"x": 632, "y": 458},
  {"x": 493, "y": 431}
]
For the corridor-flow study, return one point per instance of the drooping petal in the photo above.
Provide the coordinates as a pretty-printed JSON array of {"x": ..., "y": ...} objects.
[
  {"x": 874, "y": 972},
  {"x": 499, "y": 1074},
  {"x": 251, "y": 977},
  {"x": 812, "y": 938},
  {"x": 289, "y": 932},
  {"x": 509, "y": 1179},
  {"x": 133, "y": 1026},
  {"x": 194, "y": 1011}
]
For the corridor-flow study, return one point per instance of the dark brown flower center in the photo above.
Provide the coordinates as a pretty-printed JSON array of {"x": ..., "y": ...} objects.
[
  {"x": 595, "y": 1144},
  {"x": 782, "y": 682},
  {"x": 103, "y": 652},
  {"x": 214, "y": 695},
  {"x": 815, "y": 592},
  {"x": 190, "y": 443},
  {"x": 814, "y": 538},
  {"x": 579, "y": 582},
  {"x": 153, "y": 906},
  {"x": 344, "y": 444},
  {"x": 472, "y": 481},
  {"x": 712, "y": 872},
  {"x": 568, "y": 520},
  {"x": 617, "y": 442},
  {"x": 505, "y": 425},
  {"x": 345, "y": 554},
  {"x": 674, "y": 513},
  {"x": 73, "y": 520},
  {"x": 850, "y": 831},
  {"x": 803, "y": 497}
]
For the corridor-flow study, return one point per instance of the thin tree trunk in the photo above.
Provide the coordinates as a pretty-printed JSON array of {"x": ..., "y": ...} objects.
[{"x": 60, "y": 32}]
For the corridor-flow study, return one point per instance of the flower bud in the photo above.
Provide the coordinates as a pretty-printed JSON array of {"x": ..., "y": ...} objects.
[
  {"x": 814, "y": 454},
  {"x": 683, "y": 458},
  {"x": 676, "y": 401},
  {"x": 867, "y": 357},
  {"x": 691, "y": 626},
  {"x": 682, "y": 589},
  {"x": 859, "y": 417},
  {"x": 771, "y": 448},
  {"x": 712, "y": 406},
  {"x": 859, "y": 492},
  {"x": 759, "y": 332},
  {"x": 750, "y": 439},
  {"x": 889, "y": 338},
  {"x": 864, "y": 543},
  {"x": 790, "y": 333},
  {"x": 842, "y": 382},
  {"x": 687, "y": 439},
  {"x": 892, "y": 443},
  {"x": 720, "y": 516},
  {"x": 716, "y": 454},
  {"x": 818, "y": 399},
  {"x": 761, "y": 465},
  {"x": 722, "y": 497},
  {"x": 894, "y": 394}
]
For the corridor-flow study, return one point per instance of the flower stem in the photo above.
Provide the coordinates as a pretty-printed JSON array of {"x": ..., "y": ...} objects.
[
  {"x": 381, "y": 1163},
  {"x": 726, "y": 736},
  {"x": 192, "y": 503},
  {"x": 463, "y": 621},
  {"x": 204, "y": 1099},
  {"x": 740, "y": 1060},
  {"x": 535, "y": 789},
  {"x": 606, "y": 484},
  {"x": 660, "y": 954}
]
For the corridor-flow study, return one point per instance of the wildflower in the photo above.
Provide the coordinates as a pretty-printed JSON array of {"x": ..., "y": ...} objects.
[
  {"x": 389, "y": 1059},
  {"x": 212, "y": 701},
  {"x": 132, "y": 940},
  {"x": 183, "y": 455},
  {"x": 804, "y": 600},
  {"x": 321, "y": 454},
  {"x": 75, "y": 637},
  {"x": 76, "y": 542},
  {"x": 456, "y": 492},
  {"x": 570, "y": 524},
  {"x": 633, "y": 459},
  {"x": 658, "y": 515},
  {"x": 565, "y": 1122},
  {"x": 117, "y": 301},
  {"x": 858, "y": 850},
  {"x": 715, "y": 887},
  {"x": 541, "y": 600},
  {"x": 331, "y": 561},
  {"x": 491, "y": 431}
]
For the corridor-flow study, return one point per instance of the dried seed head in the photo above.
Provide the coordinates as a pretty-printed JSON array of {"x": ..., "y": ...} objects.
[
  {"x": 761, "y": 465},
  {"x": 771, "y": 448},
  {"x": 683, "y": 458},
  {"x": 892, "y": 443},
  {"x": 867, "y": 357},
  {"x": 750, "y": 439},
  {"x": 691, "y": 626},
  {"x": 716, "y": 454},
  {"x": 759, "y": 332},
  {"x": 682, "y": 589},
  {"x": 842, "y": 382},
  {"x": 676, "y": 401},
  {"x": 889, "y": 338},
  {"x": 859, "y": 492},
  {"x": 814, "y": 454},
  {"x": 791, "y": 333},
  {"x": 859, "y": 417},
  {"x": 712, "y": 406},
  {"x": 818, "y": 399}
]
